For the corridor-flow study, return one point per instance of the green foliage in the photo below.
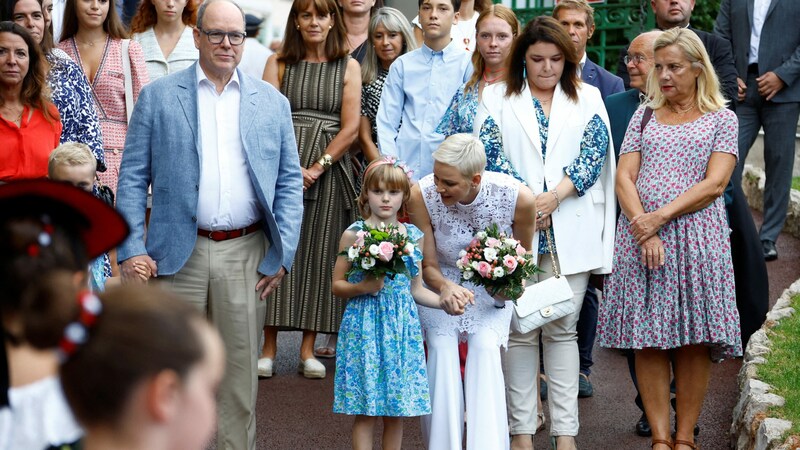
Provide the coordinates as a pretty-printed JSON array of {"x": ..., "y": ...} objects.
[
  {"x": 782, "y": 366},
  {"x": 705, "y": 14},
  {"x": 796, "y": 183}
]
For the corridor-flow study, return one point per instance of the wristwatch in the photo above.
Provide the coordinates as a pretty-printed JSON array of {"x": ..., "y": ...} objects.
[{"x": 326, "y": 161}]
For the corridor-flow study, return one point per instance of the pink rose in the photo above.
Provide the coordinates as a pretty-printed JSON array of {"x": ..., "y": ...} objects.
[
  {"x": 510, "y": 262},
  {"x": 474, "y": 242},
  {"x": 385, "y": 251},
  {"x": 465, "y": 261},
  {"x": 360, "y": 238},
  {"x": 492, "y": 242},
  {"x": 484, "y": 269},
  {"x": 520, "y": 250}
]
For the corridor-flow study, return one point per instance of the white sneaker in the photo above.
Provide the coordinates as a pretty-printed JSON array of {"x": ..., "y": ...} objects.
[
  {"x": 311, "y": 368},
  {"x": 265, "y": 367}
]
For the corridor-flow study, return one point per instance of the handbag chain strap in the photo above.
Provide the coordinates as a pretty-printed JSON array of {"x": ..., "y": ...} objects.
[{"x": 556, "y": 270}]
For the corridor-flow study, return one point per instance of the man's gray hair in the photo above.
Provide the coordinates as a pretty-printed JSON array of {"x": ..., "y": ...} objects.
[{"x": 202, "y": 12}]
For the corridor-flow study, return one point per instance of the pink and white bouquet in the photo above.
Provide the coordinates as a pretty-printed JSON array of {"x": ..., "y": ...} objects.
[
  {"x": 379, "y": 251},
  {"x": 497, "y": 262}
]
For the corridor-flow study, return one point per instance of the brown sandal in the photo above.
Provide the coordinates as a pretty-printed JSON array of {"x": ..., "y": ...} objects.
[
  {"x": 660, "y": 441},
  {"x": 691, "y": 445}
]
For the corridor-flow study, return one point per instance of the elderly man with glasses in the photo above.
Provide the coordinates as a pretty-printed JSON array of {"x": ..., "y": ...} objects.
[{"x": 227, "y": 199}]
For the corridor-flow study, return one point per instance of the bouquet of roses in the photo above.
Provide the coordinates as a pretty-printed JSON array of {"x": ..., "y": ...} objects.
[
  {"x": 497, "y": 262},
  {"x": 379, "y": 251}
]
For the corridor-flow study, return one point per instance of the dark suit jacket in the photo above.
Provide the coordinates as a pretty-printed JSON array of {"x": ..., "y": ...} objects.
[
  {"x": 605, "y": 81},
  {"x": 721, "y": 55},
  {"x": 621, "y": 107},
  {"x": 779, "y": 49}
]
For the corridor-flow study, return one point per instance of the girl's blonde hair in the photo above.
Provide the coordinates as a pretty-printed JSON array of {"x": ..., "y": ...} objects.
[
  {"x": 385, "y": 173},
  {"x": 709, "y": 97}
]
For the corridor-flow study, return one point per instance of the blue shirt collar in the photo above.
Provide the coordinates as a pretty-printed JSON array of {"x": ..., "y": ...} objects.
[{"x": 452, "y": 51}]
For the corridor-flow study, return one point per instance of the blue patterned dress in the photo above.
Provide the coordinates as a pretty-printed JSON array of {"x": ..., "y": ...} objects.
[
  {"x": 380, "y": 361},
  {"x": 73, "y": 98},
  {"x": 460, "y": 115}
]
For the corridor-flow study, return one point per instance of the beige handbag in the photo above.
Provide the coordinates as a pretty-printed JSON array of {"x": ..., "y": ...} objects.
[{"x": 544, "y": 301}]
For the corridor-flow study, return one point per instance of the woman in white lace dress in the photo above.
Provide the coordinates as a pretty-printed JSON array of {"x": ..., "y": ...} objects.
[{"x": 450, "y": 206}]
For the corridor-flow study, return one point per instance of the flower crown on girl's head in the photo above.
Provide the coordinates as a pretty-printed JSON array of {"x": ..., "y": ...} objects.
[{"x": 390, "y": 160}]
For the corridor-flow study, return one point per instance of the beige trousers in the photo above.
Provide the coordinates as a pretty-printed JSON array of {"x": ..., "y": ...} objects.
[
  {"x": 561, "y": 363},
  {"x": 220, "y": 280}
]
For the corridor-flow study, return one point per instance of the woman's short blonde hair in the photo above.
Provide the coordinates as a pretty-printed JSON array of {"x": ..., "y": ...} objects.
[
  {"x": 463, "y": 151},
  {"x": 70, "y": 154},
  {"x": 709, "y": 96}
]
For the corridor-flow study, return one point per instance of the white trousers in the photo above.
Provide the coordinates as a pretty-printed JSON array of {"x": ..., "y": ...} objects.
[
  {"x": 561, "y": 364},
  {"x": 487, "y": 424}
]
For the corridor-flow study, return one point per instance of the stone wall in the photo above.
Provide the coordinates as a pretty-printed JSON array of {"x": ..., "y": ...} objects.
[
  {"x": 752, "y": 428},
  {"x": 753, "y": 186}
]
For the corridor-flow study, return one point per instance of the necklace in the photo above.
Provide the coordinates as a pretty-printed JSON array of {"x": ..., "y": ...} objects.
[
  {"x": 18, "y": 119},
  {"x": 89, "y": 43},
  {"x": 490, "y": 81},
  {"x": 680, "y": 112},
  {"x": 543, "y": 102}
]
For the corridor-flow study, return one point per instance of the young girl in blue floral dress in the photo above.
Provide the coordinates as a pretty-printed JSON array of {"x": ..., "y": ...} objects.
[{"x": 380, "y": 363}]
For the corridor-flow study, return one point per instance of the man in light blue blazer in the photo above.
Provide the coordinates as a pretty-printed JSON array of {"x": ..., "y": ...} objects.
[
  {"x": 766, "y": 51},
  {"x": 577, "y": 17},
  {"x": 218, "y": 149}
]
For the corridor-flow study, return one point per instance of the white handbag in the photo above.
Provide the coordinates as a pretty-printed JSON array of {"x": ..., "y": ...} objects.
[{"x": 544, "y": 301}]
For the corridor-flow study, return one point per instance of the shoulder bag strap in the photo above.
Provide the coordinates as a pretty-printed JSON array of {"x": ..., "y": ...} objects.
[
  {"x": 648, "y": 114},
  {"x": 126, "y": 68}
]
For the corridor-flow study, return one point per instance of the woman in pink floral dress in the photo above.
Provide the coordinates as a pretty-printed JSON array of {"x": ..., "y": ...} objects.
[
  {"x": 671, "y": 294},
  {"x": 93, "y": 37}
]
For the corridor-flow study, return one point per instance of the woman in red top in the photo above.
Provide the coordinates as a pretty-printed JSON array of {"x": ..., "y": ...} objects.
[{"x": 29, "y": 124}]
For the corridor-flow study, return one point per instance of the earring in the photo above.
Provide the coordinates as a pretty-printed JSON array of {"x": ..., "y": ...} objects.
[
  {"x": 297, "y": 27},
  {"x": 330, "y": 26}
]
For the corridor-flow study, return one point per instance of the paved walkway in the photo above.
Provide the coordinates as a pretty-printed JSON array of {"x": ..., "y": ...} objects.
[{"x": 295, "y": 413}]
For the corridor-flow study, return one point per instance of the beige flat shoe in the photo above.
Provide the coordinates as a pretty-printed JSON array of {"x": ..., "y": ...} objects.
[
  {"x": 265, "y": 367},
  {"x": 312, "y": 369}
]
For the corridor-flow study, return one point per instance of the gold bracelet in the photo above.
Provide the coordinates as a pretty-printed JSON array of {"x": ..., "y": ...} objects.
[
  {"x": 326, "y": 161},
  {"x": 558, "y": 200}
]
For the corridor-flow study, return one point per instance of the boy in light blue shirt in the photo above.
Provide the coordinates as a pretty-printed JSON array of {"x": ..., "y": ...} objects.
[{"x": 419, "y": 88}]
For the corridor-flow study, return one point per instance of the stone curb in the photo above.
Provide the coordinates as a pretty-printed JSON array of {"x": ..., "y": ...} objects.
[
  {"x": 753, "y": 181},
  {"x": 752, "y": 429}
]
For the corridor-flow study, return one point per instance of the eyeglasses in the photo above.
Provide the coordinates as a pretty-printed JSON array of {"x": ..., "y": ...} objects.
[
  {"x": 635, "y": 59},
  {"x": 216, "y": 37}
]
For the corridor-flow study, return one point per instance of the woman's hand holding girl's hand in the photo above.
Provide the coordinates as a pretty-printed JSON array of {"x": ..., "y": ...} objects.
[
  {"x": 372, "y": 285},
  {"x": 454, "y": 298},
  {"x": 644, "y": 226},
  {"x": 653, "y": 252}
]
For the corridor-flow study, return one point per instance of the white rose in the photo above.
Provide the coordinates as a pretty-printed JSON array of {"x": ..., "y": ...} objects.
[
  {"x": 352, "y": 253},
  {"x": 459, "y": 264},
  {"x": 490, "y": 254},
  {"x": 480, "y": 235},
  {"x": 374, "y": 250},
  {"x": 367, "y": 263},
  {"x": 498, "y": 272},
  {"x": 409, "y": 248},
  {"x": 512, "y": 243},
  {"x": 467, "y": 274},
  {"x": 474, "y": 265},
  {"x": 462, "y": 253}
]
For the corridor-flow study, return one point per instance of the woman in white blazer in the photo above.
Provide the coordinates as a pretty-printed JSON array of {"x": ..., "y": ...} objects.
[{"x": 547, "y": 128}]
